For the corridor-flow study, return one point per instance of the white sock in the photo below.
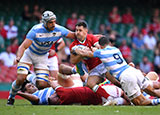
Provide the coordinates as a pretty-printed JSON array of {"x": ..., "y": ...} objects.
[
  {"x": 31, "y": 78},
  {"x": 95, "y": 88},
  {"x": 155, "y": 101}
]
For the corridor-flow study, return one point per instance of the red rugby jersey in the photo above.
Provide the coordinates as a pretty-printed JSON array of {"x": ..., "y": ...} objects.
[
  {"x": 90, "y": 41},
  {"x": 82, "y": 95}
]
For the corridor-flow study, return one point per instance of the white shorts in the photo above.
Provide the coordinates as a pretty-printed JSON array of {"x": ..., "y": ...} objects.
[
  {"x": 53, "y": 63},
  {"x": 38, "y": 61},
  {"x": 113, "y": 91},
  {"x": 132, "y": 81},
  {"x": 99, "y": 70}
]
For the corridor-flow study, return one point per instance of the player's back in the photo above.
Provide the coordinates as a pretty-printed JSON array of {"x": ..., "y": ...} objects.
[
  {"x": 80, "y": 95},
  {"x": 112, "y": 59}
]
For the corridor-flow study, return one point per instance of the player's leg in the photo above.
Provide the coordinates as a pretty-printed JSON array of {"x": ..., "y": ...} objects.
[
  {"x": 93, "y": 82},
  {"x": 41, "y": 70},
  {"x": 96, "y": 76},
  {"x": 65, "y": 80},
  {"x": 141, "y": 100},
  {"x": 22, "y": 71},
  {"x": 65, "y": 69},
  {"x": 42, "y": 78},
  {"x": 132, "y": 82},
  {"x": 151, "y": 91},
  {"x": 53, "y": 66},
  {"x": 117, "y": 94}
]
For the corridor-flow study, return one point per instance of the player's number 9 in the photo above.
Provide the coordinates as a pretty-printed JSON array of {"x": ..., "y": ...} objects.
[{"x": 118, "y": 58}]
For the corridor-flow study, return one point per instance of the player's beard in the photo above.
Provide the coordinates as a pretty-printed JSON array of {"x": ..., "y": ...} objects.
[{"x": 79, "y": 37}]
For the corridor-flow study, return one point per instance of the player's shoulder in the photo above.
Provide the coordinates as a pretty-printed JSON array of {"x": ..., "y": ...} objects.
[
  {"x": 37, "y": 27},
  {"x": 90, "y": 36},
  {"x": 59, "y": 27}
]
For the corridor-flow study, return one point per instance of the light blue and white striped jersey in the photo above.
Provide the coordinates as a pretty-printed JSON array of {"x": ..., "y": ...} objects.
[
  {"x": 43, "y": 95},
  {"x": 112, "y": 60},
  {"x": 43, "y": 39}
]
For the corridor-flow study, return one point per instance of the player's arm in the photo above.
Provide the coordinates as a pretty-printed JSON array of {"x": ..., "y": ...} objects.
[
  {"x": 74, "y": 59},
  {"x": 61, "y": 45},
  {"x": 71, "y": 35},
  {"x": 58, "y": 46},
  {"x": 32, "y": 98},
  {"x": 26, "y": 43},
  {"x": 113, "y": 79},
  {"x": 84, "y": 52},
  {"x": 54, "y": 84}
]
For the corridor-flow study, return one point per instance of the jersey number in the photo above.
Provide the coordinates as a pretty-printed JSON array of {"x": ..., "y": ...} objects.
[{"x": 118, "y": 58}]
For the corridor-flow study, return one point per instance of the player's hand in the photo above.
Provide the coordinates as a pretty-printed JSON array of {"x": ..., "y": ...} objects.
[
  {"x": 19, "y": 93},
  {"x": 131, "y": 64},
  {"x": 16, "y": 60},
  {"x": 52, "y": 82},
  {"x": 93, "y": 49}
]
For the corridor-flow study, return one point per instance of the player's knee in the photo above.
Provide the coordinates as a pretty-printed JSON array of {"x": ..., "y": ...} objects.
[
  {"x": 140, "y": 100},
  {"x": 42, "y": 78},
  {"x": 90, "y": 84},
  {"x": 20, "y": 79}
]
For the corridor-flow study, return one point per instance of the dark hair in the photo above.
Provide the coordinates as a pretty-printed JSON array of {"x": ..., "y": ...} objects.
[
  {"x": 82, "y": 23},
  {"x": 104, "y": 40},
  {"x": 151, "y": 32},
  {"x": 23, "y": 88}
]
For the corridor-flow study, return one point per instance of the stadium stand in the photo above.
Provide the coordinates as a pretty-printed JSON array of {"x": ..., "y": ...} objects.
[{"x": 96, "y": 13}]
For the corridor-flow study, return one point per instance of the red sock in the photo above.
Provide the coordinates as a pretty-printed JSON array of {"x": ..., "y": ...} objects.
[{"x": 101, "y": 92}]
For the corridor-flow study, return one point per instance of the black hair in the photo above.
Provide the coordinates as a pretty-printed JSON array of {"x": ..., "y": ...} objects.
[
  {"x": 104, "y": 40},
  {"x": 151, "y": 32},
  {"x": 23, "y": 88},
  {"x": 82, "y": 23}
]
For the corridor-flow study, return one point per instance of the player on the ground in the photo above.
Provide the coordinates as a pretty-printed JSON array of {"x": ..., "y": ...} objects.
[
  {"x": 96, "y": 68},
  {"x": 131, "y": 79},
  {"x": 75, "y": 95},
  {"x": 34, "y": 51}
]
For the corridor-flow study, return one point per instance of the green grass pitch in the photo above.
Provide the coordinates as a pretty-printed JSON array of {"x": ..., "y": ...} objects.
[{"x": 23, "y": 107}]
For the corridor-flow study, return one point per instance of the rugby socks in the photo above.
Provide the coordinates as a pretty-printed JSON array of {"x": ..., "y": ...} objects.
[
  {"x": 31, "y": 78},
  {"x": 155, "y": 101},
  {"x": 15, "y": 88},
  {"x": 100, "y": 91}
]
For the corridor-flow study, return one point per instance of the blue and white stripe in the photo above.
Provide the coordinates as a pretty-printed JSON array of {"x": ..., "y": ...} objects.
[
  {"x": 115, "y": 65},
  {"x": 43, "y": 95},
  {"x": 43, "y": 39}
]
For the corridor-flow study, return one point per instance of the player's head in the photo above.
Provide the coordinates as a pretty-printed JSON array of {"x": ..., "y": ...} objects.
[
  {"x": 81, "y": 30},
  {"x": 54, "y": 99},
  {"x": 30, "y": 88},
  {"x": 104, "y": 41},
  {"x": 153, "y": 76},
  {"x": 49, "y": 20}
]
